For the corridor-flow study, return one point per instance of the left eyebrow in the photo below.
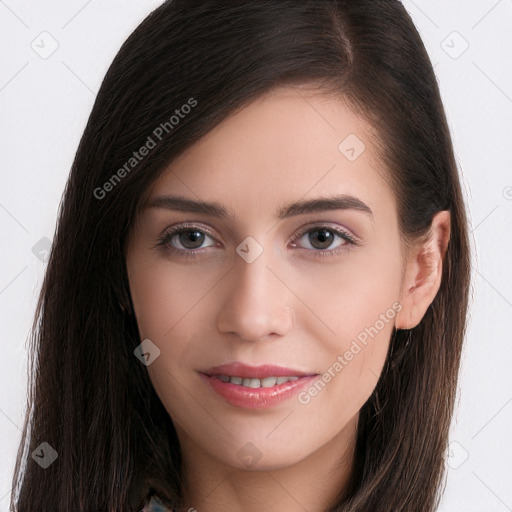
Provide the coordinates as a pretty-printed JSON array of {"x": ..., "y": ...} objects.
[{"x": 339, "y": 202}]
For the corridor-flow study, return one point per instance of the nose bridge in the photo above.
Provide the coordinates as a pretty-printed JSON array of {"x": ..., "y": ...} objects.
[{"x": 256, "y": 302}]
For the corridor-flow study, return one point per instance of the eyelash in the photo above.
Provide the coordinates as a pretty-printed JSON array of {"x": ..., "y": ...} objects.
[{"x": 194, "y": 253}]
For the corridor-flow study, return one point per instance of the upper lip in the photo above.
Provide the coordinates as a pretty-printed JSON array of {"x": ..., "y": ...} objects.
[{"x": 238, "y": 369}]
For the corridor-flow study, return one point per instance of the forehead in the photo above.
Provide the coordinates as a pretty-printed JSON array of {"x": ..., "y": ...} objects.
[{"x": 288, "y": 144}]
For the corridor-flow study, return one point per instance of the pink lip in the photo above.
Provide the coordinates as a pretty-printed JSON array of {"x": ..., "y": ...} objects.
[
  {"x": 255, "y": 398},
  {"x": 254, "y": 372}
]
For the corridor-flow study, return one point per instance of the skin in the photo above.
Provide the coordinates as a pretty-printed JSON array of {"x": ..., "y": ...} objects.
[{"x": 288, "y": 307}]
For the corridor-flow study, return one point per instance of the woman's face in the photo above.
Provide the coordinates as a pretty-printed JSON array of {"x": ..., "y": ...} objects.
[{"x": 280, "y": 279}]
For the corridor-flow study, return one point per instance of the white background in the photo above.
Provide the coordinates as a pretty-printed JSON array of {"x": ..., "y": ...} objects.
[{"x": 45, "y": 103}]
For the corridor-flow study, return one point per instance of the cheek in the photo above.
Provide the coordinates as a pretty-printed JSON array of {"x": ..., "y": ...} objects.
[
  {"x": 163, "y": 297},
  {"x": 355, "y": 306},
  {"x": 173, "y": 308},
  {"x": 343, "y": 299},
  {"x": 169, "y": 311}
]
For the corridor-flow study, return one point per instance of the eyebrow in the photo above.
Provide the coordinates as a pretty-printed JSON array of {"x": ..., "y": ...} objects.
[{"x": 338, "y": 202}]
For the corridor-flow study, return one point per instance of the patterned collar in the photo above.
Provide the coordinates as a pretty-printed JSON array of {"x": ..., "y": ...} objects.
[{"x": 155, "y": 505}]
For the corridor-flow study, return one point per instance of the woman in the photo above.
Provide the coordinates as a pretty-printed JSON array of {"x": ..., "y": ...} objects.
[{"x": 257, "y": 292}]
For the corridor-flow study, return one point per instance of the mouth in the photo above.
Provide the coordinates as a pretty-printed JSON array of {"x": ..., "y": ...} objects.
[
  {"x": 255, "y": 387},
  {"x": 262, "y": 382}
]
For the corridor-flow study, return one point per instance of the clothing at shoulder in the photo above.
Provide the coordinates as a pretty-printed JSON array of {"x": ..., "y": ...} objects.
[{"x": 155, "y": 505}]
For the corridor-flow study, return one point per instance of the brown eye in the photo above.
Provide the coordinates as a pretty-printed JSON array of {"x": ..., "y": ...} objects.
[
  {"x": 191, "y": 238},
  {"x": 321, "y": 238},
  {"x": 185, "y": 240}
]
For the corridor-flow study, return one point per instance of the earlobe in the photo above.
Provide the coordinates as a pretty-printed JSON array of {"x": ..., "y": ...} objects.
[{"x": 423, "y": 273}]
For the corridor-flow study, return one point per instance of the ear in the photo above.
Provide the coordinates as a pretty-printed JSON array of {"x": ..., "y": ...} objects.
[{"x": 423, "y": 271}]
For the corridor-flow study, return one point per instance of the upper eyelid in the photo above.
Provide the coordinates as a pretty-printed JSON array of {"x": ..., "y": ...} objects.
[{"x": 325, "y": 225}]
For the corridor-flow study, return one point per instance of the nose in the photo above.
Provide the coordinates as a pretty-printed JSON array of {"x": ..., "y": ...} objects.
[{"x": 256, "y": 301}]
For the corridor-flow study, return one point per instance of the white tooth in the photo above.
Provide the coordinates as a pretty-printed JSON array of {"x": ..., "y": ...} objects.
[
  {"x": 268, "y": 382},
  {"x": 252, "y": 383}
]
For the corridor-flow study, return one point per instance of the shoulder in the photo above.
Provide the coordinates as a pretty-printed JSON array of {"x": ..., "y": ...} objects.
[{"x": 155, "y": 505}]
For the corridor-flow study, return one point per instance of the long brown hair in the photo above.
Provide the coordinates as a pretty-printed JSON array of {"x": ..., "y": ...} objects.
[{"x": 89, "y": 397}]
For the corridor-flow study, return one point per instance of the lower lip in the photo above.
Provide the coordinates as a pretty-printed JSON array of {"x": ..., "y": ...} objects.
[{"x": 257, "y": 398}]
